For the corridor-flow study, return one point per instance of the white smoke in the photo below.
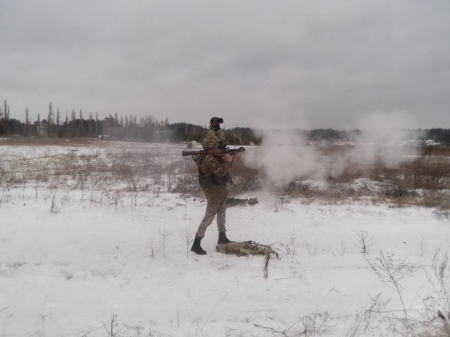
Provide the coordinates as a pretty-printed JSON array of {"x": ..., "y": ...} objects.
[
  {"x": 382, "y": 139},
  {"x": 285, "y": 155}
]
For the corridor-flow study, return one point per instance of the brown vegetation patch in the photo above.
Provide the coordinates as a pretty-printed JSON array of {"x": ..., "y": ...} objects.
[
  {"x": 423, "y": 181},
  {"x": 49, "y": 141}
]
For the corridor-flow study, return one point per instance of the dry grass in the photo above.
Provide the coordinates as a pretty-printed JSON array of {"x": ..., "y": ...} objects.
[
  {"x": 48, "y": 141},
  {"x": 423, "y": 181}
]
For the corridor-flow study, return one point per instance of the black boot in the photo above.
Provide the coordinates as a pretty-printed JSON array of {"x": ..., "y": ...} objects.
[
  {"x": 223, "y": 240},
  {"x": 196, "y": 248}
]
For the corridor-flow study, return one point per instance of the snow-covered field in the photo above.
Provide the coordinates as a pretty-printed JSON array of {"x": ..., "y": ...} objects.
[{"x": 79, "y": 262}]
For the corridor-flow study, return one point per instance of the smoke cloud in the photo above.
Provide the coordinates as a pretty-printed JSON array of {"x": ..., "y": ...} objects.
[{"x": 285, "y": 156}]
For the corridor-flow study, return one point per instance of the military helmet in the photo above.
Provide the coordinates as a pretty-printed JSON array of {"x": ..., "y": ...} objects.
[{"x": 216, "y": 120}]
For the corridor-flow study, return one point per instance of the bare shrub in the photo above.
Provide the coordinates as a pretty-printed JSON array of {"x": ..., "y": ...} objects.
[
  {"x": 430, "y": 172},
  {"x": 316, "y": 323},
  {"x": 54, "y": 208},
  {"x": 333, "y": 196},
  {"x": 363, "y": 316},
  {"x": 312, "y": 250},
  {"x": 302, "y": 188},
  {"x": 441, "y": 214},
  {"x": 187, "y": 184},
  {"x": 341, "y": 189},
  {"x": 112, "y": 328},
  {"x": 396, "y": 185},
  {"x": 281, "y": 201},
  {"x": 364, "y": 241},
  {"x": 435, "y": 198},
  {"x": 114, "y": 198},
  {"x": 164, "y": 238},
  {"x": 391, "y": 270},
  {"x": 245, "y": 179},
  {"x": 153, "y": 249},
  {"x": 344, "y": 248},
  {"x": 290, "y": 246},
  {"x": 348, "y": 174},
  {"x": 441, "y": 281},
  {"x": 188, "y": 238},
  {"x": 422, "y": 246}
]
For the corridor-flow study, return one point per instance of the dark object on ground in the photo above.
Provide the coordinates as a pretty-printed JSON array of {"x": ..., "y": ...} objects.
[
  {"x": 248, "y": 248},
  {"x": 245, "y": 248},
  {"x": 239, "y": 201}
]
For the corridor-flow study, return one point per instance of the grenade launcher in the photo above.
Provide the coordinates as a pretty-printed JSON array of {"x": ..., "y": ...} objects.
[{"x": 213, "y": 152}]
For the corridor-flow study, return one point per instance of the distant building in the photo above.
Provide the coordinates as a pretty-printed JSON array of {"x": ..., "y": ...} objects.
[{"x": 42, "y": 130}]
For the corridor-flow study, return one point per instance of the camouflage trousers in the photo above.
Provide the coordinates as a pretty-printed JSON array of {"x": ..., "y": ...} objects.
[{"x": 216, "y": 205}]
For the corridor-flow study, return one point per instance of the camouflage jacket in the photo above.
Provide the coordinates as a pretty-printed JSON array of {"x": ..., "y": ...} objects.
[
  {"x": 212, "y": 171},
  {"x": 212, "y": 138}
]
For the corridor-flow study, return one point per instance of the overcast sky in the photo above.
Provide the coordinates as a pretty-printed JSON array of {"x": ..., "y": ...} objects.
[{"x": 308, "y": 64}]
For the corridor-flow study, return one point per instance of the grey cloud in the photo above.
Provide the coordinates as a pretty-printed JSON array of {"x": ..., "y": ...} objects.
[{"x": 256, "y": 63}]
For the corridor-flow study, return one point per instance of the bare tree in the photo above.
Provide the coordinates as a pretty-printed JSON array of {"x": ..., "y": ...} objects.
[
  {"x": 4, "y": 112},
  {"x": 27, "y": 117},
  {"x": 27, "y": 122},
  {"x": 6, "y": 109},
  {"x": 187, "y": 237},
  {"x": 57, "y": 117},
  {"x": 50, "y": 117}
]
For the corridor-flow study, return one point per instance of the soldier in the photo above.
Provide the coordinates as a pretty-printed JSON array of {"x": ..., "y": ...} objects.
[
  {"x": 215, "y": 134},
  {"x": 213, "y": 177}
]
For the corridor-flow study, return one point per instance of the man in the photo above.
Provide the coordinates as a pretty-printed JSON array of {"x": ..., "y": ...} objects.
[{"x": 213, "y": 177}]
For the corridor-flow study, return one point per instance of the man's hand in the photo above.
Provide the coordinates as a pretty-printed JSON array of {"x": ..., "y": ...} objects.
[{"x": 226, "y": 157}]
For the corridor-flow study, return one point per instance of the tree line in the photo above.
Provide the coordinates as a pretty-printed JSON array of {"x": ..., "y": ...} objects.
[
  {"x": 149, "y": 129},
  {"x": 128, "y": 127}
]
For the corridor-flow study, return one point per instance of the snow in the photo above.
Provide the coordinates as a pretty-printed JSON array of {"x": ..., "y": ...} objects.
[{"x": 68, "y": 272}]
